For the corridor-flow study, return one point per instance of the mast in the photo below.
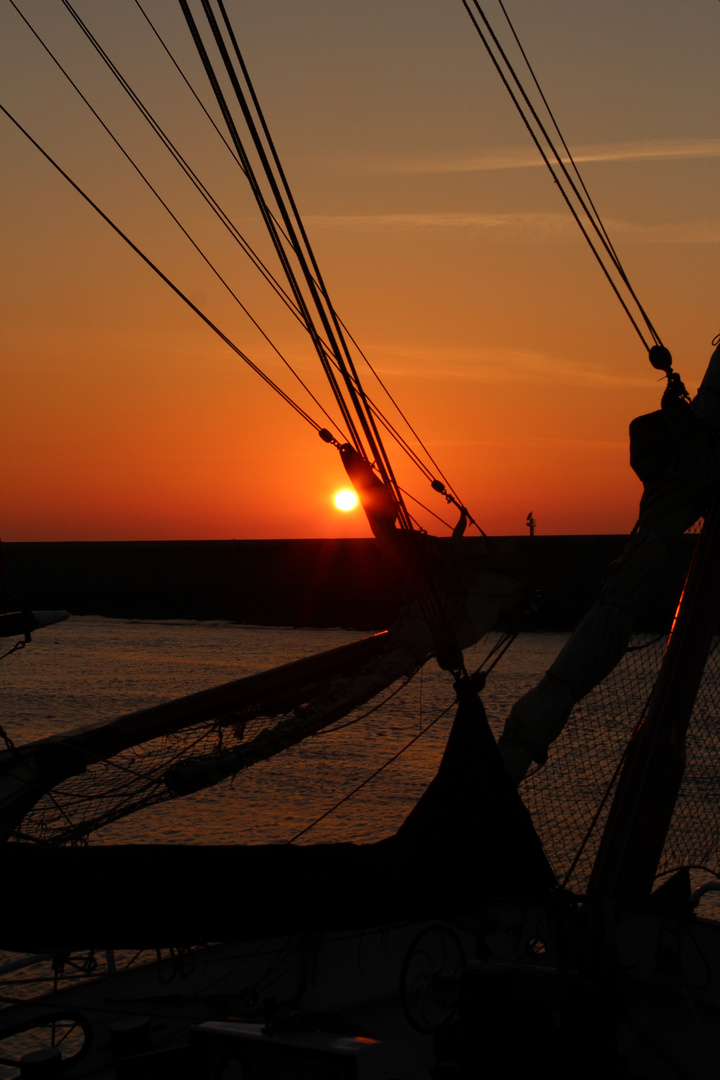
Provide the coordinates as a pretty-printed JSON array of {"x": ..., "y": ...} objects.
[{"x": 640, "y": 815}]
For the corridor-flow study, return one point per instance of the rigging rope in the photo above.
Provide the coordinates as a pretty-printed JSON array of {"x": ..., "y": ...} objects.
[
  {"x": 302, "y": 249},
  {"x": 388, "y": 426},
  {"x": 374, "y": 412},
  {"x": 402, "y": 442},
  {"x": 186, "y": 168},
  {"x": 566, "y": 148},
  {"x": 167, "y": 208},
  {"x": 315, "y": 282},
  {"x": 448, "y": 653},
  {"x": 587, "y": 207},
  {"x": 228, "y": 224},
  {"x": 386, "y": 423},
  {"x": 258, "y": 194},
  {"x": 372, "y": 776},
  {"x": 187, "y": 82},
  {"x": 148, "y": 261}
]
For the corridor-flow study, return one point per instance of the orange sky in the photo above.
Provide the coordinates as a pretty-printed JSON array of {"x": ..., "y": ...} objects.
[{"x": 446, "y": 248}]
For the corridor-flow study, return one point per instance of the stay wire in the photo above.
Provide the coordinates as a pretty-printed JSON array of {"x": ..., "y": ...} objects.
[
  {"x": 593, "y": 217},
  {"x": 228, "y": 224},
  {"x": 402, "y": 442},
  {"x": 426, "y": 509},
  {"x": 148, "y": 261},
  {"x": 313, "y": 277},
  {"x": 169, "y": 211},
  {"x": 389, "y": 427},
  {"x": 255, "y": 186},
  {"x": 175, "y": 153},
  {"x": 186, "y": 168},
  {"x": 566, "y": 148},
  {"x": 187, "y": 82},
  {"x": 544, "y": 156},
  {"x": 203, "y": 191},
  {"x": 266, "y": 272},
  {"x": 276, "y": 232},
  {"x": 429, "y": 600},
  {"x": 587, "y": 202},
  {"x": 563, "y": 169}
]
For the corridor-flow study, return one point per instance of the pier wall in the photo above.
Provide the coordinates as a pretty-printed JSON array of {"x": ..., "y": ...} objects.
[{"x": 296, "y": 582}]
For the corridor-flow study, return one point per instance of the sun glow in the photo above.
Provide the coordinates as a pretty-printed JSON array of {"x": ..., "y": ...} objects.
[{"x": 346, "y": 500}]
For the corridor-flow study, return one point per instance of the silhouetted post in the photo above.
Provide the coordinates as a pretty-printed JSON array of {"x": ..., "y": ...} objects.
[{"x": 530, "y": 522}]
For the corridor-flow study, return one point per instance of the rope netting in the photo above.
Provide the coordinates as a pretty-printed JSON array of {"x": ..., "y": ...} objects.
[
  {"x": 575, "y": 787},
  {"x": 220, "y": 748},
  {"x": 570, "y": 797},
  {"x": 132, "y": 780},
  {"x": 694, "y": 836}
]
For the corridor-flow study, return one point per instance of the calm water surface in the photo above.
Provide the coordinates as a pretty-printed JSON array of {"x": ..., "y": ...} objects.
[{"x": 92, "y": 669}]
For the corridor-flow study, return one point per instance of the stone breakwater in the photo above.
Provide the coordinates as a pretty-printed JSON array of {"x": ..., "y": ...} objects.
[{"x": 344, "y": 583}]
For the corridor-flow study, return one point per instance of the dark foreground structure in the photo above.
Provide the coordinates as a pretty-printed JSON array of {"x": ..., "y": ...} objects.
[{"x": 293, "y": 582}]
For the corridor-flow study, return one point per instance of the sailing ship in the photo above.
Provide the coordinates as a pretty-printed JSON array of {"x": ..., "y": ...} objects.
[{"x": 462, "y": 908}]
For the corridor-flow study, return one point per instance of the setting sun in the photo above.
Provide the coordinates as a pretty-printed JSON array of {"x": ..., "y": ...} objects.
[{"x": 346, "y": 500}]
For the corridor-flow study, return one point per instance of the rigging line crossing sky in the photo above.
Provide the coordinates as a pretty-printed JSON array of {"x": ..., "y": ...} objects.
[
  {"x": 323, "y": 303},
  {"x": 389, "y": 427},
  {"x": 427, "y": 472},
  {"x": 582, "y": 193},
  {"x": 587, "y": 207},
  {"x": 262, "y": 203},
  {"x": 450, "y": 258},
  {"x": 293, "y": 404},
  {"x": 571, "y": 161},
  {"x": 157, "y": 128},
  {"x": 179, "y": 224},
  {"x": 337, "y": 354},
  {"x": 300, "y": 245},
  {"x": 391, "y": 430}
]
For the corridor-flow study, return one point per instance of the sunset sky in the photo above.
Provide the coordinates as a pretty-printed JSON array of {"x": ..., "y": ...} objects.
[{"x": 445, "y": 244}]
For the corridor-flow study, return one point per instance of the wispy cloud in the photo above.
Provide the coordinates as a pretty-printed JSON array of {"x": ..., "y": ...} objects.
[
  {"x": 441, "y": 219},
  {"x": 526, "y": 158},
  {"x": 665, "y": 149},
  {"x": 524, "y": 226},
  {"x": 541, "y": 442},
  {"x": 693, "y": 232},
  {"x": 497, "y": 366}
]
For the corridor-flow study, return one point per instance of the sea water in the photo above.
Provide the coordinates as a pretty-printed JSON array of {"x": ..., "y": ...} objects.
[{"x": 92, "y": 669}]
